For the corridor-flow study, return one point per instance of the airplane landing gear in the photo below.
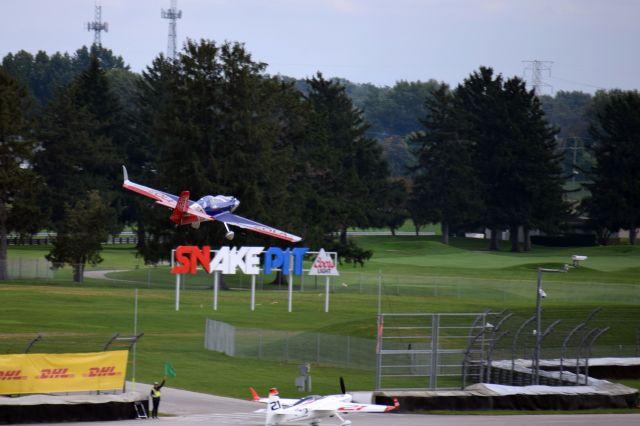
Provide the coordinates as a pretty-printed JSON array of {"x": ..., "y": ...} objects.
[
  {"x": 230, "y": 234},
  {"x": 344, "y": 422}
]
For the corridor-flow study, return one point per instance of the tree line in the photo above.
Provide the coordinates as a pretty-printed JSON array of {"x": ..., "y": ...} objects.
[{"x": 305, "y": 156}]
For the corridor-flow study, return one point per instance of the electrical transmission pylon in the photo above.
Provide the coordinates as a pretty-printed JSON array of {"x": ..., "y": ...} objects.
[
  {"x": 172, "y": 15},
  {"x": 538, "y": 71},
  {"x": 97, "y": 26}
]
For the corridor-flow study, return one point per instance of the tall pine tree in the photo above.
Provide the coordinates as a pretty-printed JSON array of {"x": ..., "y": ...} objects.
[
  {"x": 347, "y": 168},
  {"x": 219, "y": 127},
  {"x": 19, "y": 185},
  {"x": 446, "y": 186},
  {"x": 519, "y": 174},
  {"x": 615, "y": 191}
]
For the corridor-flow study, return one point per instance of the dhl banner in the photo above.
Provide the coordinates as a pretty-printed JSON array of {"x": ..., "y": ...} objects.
[{"x": 44, "y": 373}]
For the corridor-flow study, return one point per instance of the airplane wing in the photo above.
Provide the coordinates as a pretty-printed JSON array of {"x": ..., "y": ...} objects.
[
  {"x": 330, "y": 405},
  {"x": 242, "y": 222},
  {"x": 162, "y": 198}
]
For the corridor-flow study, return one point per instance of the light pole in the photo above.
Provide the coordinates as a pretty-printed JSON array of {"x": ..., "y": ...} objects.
[
  {"x": 540, "y": 294},
  {"x": 538, "y": 330}
]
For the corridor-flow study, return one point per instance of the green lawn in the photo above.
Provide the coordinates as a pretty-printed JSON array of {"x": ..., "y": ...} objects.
[{"x": 418, "y": 274}]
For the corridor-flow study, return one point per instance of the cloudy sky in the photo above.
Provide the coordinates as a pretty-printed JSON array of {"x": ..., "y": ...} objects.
[{"x": 592, "y": 44}]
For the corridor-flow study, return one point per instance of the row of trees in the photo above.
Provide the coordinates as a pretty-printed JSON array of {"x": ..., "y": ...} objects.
[
  {"x": 300, "y": 156},
  {"x": 211, "y": 122}
]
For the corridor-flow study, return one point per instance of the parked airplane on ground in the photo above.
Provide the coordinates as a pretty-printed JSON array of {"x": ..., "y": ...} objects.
[
  {"x": 207, "y": 208},
  {"x": 313, "y": 408}
]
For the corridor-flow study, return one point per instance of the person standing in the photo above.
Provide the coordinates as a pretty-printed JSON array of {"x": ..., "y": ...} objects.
[{"x": 155, "y": 397}]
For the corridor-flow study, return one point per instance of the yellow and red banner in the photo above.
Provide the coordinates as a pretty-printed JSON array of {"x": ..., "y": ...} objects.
[{"x": 44, "y": 373}]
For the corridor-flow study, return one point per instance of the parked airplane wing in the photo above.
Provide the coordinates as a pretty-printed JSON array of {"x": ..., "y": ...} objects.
[{"x": 329, "y": 404}]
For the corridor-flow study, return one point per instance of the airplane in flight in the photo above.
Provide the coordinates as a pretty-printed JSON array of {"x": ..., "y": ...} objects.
[
  {"x": 207, "y": 208},
  {"x": 313, "y": 408}
]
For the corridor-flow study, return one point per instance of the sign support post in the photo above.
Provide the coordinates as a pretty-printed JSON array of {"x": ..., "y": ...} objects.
[
  {"x": 326, "y": 293},
  {"x": 290, "y": 280},
  {"x": 253, "y": 292},
  {"x": 177, "y": 292},
  {"x": 216, "y": 277}
]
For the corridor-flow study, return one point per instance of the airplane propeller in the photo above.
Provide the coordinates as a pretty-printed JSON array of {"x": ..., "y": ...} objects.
[{"x": 342, "y": 386}]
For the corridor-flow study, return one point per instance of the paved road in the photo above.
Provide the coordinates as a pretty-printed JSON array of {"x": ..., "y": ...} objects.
[{"x": 182, "y": 408}]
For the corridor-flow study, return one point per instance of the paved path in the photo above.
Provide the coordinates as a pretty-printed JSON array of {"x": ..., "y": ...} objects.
[
  {"x": 102, "y": 275},
  {"x": 180, "y": 408}
]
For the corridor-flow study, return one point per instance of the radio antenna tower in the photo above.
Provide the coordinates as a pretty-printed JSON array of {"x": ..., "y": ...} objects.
[
  {"x": 97, "y": 26},
  {"x": 538, "y": 70},
  {"x": 172, "y": 15}
]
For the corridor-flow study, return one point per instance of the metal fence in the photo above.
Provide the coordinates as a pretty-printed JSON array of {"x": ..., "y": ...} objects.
[
  {"x": 290, "y": 346},
  {"x": 505, "y": 352},
  {"x": 29, "y": 268},
  {"x": 424, "y": 350},
  {"x": 47, "y": 238}
]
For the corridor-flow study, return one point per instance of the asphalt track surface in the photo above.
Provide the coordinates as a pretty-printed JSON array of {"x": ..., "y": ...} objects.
[{"x": 180, "y": 408}]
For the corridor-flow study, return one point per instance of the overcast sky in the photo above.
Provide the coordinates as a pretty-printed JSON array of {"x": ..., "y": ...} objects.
[{"x": 593, "y": 44}]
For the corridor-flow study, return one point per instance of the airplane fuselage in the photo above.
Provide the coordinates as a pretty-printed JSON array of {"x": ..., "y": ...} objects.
[
  {"x": 307, "y": 409},
  {"x": 213, "y": 205}
]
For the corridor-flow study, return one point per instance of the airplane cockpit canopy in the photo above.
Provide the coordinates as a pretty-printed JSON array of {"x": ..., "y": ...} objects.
[
  {"x": 307, "y": 399},
  {"x": 209, "y": 201}
]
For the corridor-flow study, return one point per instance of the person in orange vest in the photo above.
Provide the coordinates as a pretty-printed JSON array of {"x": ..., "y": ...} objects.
[{"x": 155, "y": 397}]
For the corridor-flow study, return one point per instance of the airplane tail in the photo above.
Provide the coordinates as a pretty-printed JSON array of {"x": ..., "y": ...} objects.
[
  {"x": 254, "y": 394},
  {"x": 273, "y": 406},
  {"x": 182, "y": 206}
]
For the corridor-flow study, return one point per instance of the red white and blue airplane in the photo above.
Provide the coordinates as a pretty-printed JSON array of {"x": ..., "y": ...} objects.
[
  {"x": 207, "y": 208},
  {"x": 313, "y": 408}
]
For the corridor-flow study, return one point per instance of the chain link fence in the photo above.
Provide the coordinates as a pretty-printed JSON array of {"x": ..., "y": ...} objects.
[
  {"x": 290, "y": 346},
  {"x": 29, "y": 268}
]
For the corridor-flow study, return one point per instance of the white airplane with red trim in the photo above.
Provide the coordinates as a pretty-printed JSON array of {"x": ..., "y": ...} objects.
[
  {"x": 313, "y": 408},
  {"x": 207, "y": 208}
]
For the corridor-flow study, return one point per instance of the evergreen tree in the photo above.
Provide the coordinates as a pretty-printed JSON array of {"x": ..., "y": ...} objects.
[
  {"x": 82, "y": 142},
  {"x": 19, "y": 185},
  {"x": 519, "y": 173},
  {"x": 446, "y": 187},
  {"x": 348, "y": 170},
  {"x": 220, "y": 127},
  {"x": 43, "y": 74},
  {"x": 393, "y": 205},
  {"x": 615, "y": 191},
  {"x": 80, "y": 237}
]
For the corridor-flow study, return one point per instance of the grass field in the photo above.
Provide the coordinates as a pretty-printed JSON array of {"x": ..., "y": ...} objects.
[{"x": 418, "y": 274}]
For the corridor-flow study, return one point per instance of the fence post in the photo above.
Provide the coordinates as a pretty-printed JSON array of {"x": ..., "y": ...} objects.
[
  {"x": 435, "y": 329},
  {"x": 348, "y": 349},
  {"x": 286, "y": 347}
]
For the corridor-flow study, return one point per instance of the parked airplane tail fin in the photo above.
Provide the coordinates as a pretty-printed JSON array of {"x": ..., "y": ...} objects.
[
  {"x": 182, "y": 206},
  {"x": 254, "y": 394}
]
